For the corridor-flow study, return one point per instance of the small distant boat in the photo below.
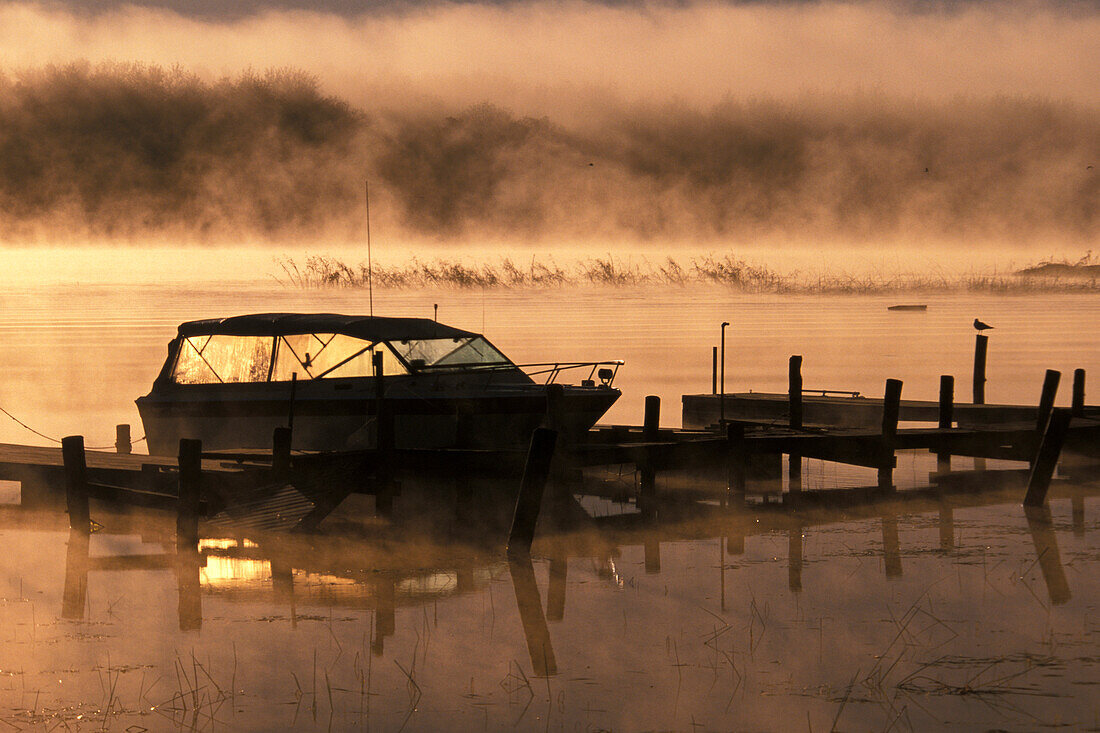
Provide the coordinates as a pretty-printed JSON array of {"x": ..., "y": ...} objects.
[
  {"x": 907, "y": 308},
  {"x": 231, "y": 381}
]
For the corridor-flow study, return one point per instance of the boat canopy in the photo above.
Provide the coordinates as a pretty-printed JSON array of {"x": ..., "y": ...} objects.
[
  {"x": 368, "y": 328},
  {"x": 276, "y": 347}
]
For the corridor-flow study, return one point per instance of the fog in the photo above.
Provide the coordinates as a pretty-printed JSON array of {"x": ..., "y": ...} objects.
[{"x": 546, "y": 121}]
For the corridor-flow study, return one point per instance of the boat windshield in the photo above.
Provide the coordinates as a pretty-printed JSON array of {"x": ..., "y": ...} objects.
[
  {"x": 224, "y": 359},
  {"x": 449, "y": 352}
]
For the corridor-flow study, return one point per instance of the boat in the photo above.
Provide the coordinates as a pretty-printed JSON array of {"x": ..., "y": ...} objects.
[{"x": 230, "y": 382}]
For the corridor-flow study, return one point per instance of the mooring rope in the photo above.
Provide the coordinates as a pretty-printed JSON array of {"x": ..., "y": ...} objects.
[{"x": 55, "y": 440}]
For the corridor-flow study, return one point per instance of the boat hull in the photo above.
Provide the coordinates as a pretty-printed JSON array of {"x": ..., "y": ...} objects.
[{"x": 342, "y": 416}]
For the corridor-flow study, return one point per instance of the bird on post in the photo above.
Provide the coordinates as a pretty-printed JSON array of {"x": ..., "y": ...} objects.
[{"x": 981, "y": 326}]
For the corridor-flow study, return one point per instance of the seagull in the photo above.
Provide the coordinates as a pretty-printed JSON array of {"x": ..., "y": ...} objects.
[{"x": 981, "y": 326}]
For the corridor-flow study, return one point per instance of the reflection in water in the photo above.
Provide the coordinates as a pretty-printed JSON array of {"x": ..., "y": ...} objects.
[
  {"x": 555, "y": 593},
  {"x": 947, "y": 526},
  {"x": 794, "y": 559},
  {"x": 1041, "y": 526},
  {"x": 76, "y": 576},
  {"x": 530, "y": 614},
  {"x": 189, "y": 564},
  {"x": 891, "y": 546}
]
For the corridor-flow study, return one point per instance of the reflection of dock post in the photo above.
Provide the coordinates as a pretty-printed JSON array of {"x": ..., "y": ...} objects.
[
  {"x": 891, "y": 546},
  {"x": 529, "y": 604},
  {"x": 76, "y": 576},
  {"x": 76, "y": 482},
  {"x": 529, "y": 500},
  {"x": 1046, "y": 459},
  {"x": 981, "y": 345},
  {"x": 385, "y": 614},
  {"x": 555, "y": 593},
  {"x": 282, "y": 581},
  {"x": 1078, "y": 509},
  {"x": 1046, "y": 399},
  {"x": 123, "y": 444},
  {"x": 947, "y": 419},
  {"x": 794, "y": 409},
  {"x": 891, "y": 407},
  {"x": 1041, "y": 526},
  {"x": 652, "y": 549},
  {"x": 947, "y": 526},
  {"x": 794, "y": 559},
  {"x": 188, "y": 567},
  {"x": 1078, "y": 393}
]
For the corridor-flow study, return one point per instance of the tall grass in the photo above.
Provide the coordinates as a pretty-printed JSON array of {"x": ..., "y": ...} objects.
[{"x": 321, "y": 271}]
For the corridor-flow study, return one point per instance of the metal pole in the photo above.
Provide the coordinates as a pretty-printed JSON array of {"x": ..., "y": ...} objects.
[{"x": 722, "y": 377}]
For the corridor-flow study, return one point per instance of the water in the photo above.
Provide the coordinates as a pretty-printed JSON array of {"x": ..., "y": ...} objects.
[{"x": 961, "y": 612}]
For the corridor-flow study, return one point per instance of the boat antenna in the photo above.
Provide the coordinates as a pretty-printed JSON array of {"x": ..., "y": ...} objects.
[{"x": 370, "y": 265}]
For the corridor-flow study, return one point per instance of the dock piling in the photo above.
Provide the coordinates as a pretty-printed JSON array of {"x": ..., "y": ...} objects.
[
  {"x": 190, "y": 481},
  {"x": 383, "y": 441},
  {"x": 76, "y": 482},
  {"x": 794, "y": 401},
  {"x": 1046, "y": 460},
  {"x": 1078, "y": 392},
  {"x": 1046, "y": 399},
  {"x": 891, "y": 408},
  {"x": 652, "y": 420},
  {"x": 794, "y": 391},
  {"x": 981, "y": 346},
  {"x": 947, "y": 418},
  {"x": 280, "y": 451},
  {"x": 529, "y": 500},
  {"x": 123, "y": 445}
]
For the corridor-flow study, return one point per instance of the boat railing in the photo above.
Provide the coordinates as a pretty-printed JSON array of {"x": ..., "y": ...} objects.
[{"x": 605, "y": 371}]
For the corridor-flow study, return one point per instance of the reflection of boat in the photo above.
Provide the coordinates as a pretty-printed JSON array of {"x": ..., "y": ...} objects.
[{"x": 231, "y": 381}]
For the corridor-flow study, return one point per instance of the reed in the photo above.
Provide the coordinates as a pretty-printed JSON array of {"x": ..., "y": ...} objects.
[{"x": 728, "y": 271}]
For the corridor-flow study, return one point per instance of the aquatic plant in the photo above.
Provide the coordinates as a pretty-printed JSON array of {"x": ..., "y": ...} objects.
[{"x": 318, "y": 271}]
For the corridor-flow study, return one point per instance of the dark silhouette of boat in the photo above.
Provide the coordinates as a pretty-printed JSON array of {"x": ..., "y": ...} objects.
[{"x": 229, "y": 382}]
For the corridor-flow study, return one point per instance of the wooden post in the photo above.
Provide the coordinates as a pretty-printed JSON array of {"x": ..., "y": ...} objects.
[
  {"x": 555, "y": 398},
  {"x": 290, "y": 406},
  {"x": 1046, "y": 460},
  {"x": 652, "y": 421},
  {"x": 647, "y": 501},
  {"x": 1078, "y": 392},
  {"x": 76, "y": 482},
  {"x": 891, "y": 407},
  {"x": 947, "y": 418},
  {"x": 190, "y": 486},
  {"x": 794, "y": 400},
  {"x": 794, "y": 391},
  {"x": 280, "y": 451},
  {"x": 1046, "y": 399},
  {"x": 981, "y": 345},
  {"x": 714, "y": 370},
  {"x": 123, "y": 445},
  {"x": 529, "y": 500}
]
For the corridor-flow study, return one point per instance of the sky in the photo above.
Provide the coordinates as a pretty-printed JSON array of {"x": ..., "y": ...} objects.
[{"x": 702, "y": 119}]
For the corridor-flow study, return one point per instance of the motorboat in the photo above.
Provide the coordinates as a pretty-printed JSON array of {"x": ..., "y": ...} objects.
[{"x": 231, "y": 381}]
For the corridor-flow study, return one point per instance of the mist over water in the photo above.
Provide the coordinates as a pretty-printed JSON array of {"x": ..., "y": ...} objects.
[{"x": 544, "y": 122}]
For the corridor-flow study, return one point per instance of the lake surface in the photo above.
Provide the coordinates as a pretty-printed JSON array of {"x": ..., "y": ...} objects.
[{"x": 961, "y": 611}]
